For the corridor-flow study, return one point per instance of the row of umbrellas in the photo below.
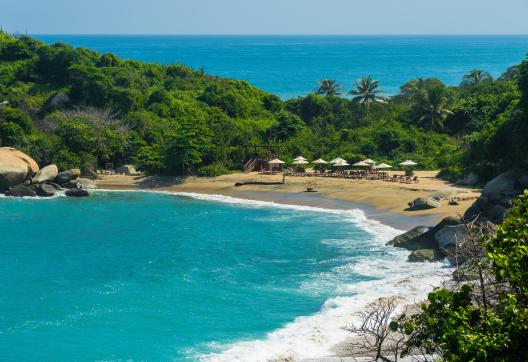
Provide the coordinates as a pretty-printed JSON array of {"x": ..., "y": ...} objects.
[{"x": 339, "y": 162}]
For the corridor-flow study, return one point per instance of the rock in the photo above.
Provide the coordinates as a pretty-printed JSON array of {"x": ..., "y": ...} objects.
[
  {"x": 450, "y": 235},
  {"x": 127, "y": 170},
  {"x": 45, "y": 190},
  {"x": 55, "y": 186},
  {"x": 15, "y": 167},
  {"x": 496, "y": 214},
  {"x": 20, "y": 190},
  {"x": 70, "y": 185},
  {"x": 504, "y": 184},
  {"x": 506, "y": 202},
  {"x": 422, "y": 255},
  {"x": 86, "y": 183},
  {"x": 67, "y": 176},
  {"x": 471, "y": 179},
  {"x": 463, "y": 275},
  {"x": 443, "y": 194},
  {"x": 523, "y": 181},
  {"x": 472, "y": 213},
  {"x": 59, "y": 100},
  {"x": 422, "y": 203},
  {"x": 426, "y": 240},
  {"x": 91, "y": 174},
  {"x": 46, "y": 174},
  {"x": 402, "y": 241},
  {"x": 483, "y": 203},
  {"x": 77, "y": 193}
]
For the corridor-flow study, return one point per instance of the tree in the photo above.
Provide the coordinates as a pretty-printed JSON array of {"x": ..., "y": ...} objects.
[
  {"x": 367, "y": 91},
  {"x": 476, "y": 77},
  {"x": 328, "y": 88},
  {"x": 432, "y": 107}
]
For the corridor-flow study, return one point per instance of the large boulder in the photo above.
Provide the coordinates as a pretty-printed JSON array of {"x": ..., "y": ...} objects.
[
  {"x": 21, "y": 190},
  {"x": 45, "y": 190},
  {"x": 496, "y": 214},
  {"x": 471, "y": 179},
  {"x": 15, "y": 167},
  {"x": 472, "y": 213},
  {"x": 127, "y": 170},
  {"x": 77, "y": 193},
  {"x": 523, "y": 181},
  {"x": 426, "y": 239},
  {"x": 405, "y": 240},
  {"x": 450, "y": 235},
  {"x": 422, "y": 255},
  {"x": 504, "y": 185},
  {"x": 422, "y": 203},
  {"x": 46, "y": 174},
  {"x": 67, "y": 176}
]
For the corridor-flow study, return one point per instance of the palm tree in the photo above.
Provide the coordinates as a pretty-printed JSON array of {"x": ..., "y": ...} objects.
[
  {"x": 432, "y": 107},
  {"x": 329, "y": 88},
  {"x": 476, "y": 77},
  {"x": 366, "y": 92}
]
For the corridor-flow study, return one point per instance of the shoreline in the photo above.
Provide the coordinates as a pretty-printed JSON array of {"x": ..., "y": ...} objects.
[
  {"x": 382, "y": 201},
  {"x": 411, "y": 283}
]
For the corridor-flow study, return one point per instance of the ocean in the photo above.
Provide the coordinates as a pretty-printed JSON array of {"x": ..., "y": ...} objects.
[
  {"x": 188, "y": 277},
  {"x": 290, "y": 66}
]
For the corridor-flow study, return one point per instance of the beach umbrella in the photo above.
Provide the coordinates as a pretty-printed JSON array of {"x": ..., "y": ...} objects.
[
  {"x": 338, "y": 159},
  {"x": 341, "y": 163},
  {"x": 300, "y": 158},
  {"x": 382, "y": 165},
  {"x": 276, "y": 162},
  {"x": 408, "y": 163},
  {"x": 361, "y": 164},
  {"x": 300, "y": 162},
  {"x": 369, "y": 161},
  {"x": 320, "y": 162}
]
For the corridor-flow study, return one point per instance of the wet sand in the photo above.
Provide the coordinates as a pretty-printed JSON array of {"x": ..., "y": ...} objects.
[{"x": 380, "y": 200}]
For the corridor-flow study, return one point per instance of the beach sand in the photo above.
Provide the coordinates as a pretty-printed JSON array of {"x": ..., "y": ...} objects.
[{"x": 380, "y": 200}]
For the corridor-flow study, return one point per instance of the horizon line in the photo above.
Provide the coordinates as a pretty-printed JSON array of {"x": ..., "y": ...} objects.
[{"x": 284, "y": 34}]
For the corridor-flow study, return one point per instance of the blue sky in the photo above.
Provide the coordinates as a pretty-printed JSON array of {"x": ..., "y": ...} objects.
[{"x": 265, "y": 16}]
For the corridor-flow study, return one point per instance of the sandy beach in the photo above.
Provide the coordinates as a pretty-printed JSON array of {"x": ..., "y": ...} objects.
[{"x": 381, "y": 200}]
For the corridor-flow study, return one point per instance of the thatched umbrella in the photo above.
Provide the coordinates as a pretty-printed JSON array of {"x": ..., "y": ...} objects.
[{"x": 382, "y": 166}]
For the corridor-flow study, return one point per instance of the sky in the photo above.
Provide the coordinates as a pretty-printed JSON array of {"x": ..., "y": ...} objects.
[{"x": 264, "y": 16}]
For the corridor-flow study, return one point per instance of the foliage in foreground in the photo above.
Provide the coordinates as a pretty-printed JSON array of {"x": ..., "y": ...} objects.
[{"x": 457, "y": 326}]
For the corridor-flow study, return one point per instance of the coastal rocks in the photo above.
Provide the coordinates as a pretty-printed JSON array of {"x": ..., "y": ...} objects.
[
  {"x": 67, "y": 176},
  {"x": 45, "y": 190},
  {"x": 471, "y": 179},
  {"x": 450, "y": 235},
  {"x": 77, "y": 193},
  {"x": 89, "y": 174},
  {"x": 497, "y": 196},
  {"x": 15, "y": 167},
  {"x": 422, "y": 203},
  {"x": 422, "y": 255},
  {"x": 21, "y": 190},
  {"x": 47, "y": 173},
  {"x": 129, "y": 170},
  {"x": 405, "y": 240}
]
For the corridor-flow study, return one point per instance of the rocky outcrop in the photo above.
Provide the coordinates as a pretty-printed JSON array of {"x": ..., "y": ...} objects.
[
  {"x": 67, "y": 176},
  {"x": 422, "y": 255},
  {"x": 449, "y": 236},
  {"x": 46, "y": 174},
  {"x": 21, "y": 190},
  {"x": 422, "y": 203},
  {"x": 15, "y": 167},
  {"x": 407, "y": 239},
  {"x": 127, "y": 170},
  {"x": 45, "y": 190},
  {"x": 77, "y": 193},
  {"x": 496, "y": 197}
]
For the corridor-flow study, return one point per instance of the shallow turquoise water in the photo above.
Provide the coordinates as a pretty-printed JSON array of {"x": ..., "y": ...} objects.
[
  {"x": 291, "y": 65},
  {"x": 145, "y": 276}
]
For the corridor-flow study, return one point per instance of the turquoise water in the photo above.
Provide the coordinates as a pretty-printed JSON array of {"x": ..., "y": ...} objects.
[
  {"x": 143, "y": 276},
  {"x": 290, "y": 66}
]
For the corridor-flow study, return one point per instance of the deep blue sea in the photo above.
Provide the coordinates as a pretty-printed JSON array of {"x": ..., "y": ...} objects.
[
  {"x": 144, "y": 276},
  {"x": 290, "y": 66}
]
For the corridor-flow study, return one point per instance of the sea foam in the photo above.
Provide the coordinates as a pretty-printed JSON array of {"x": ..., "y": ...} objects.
[{"x": 316, "y": 335}]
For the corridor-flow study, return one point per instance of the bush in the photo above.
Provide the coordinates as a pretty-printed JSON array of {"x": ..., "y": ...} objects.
[{"x": 213, "y": 170}]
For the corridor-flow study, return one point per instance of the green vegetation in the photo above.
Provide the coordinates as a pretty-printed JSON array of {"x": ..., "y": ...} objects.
[
  {"x": 77, "y": 108},
  {"x": 488, "y": 322}
]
